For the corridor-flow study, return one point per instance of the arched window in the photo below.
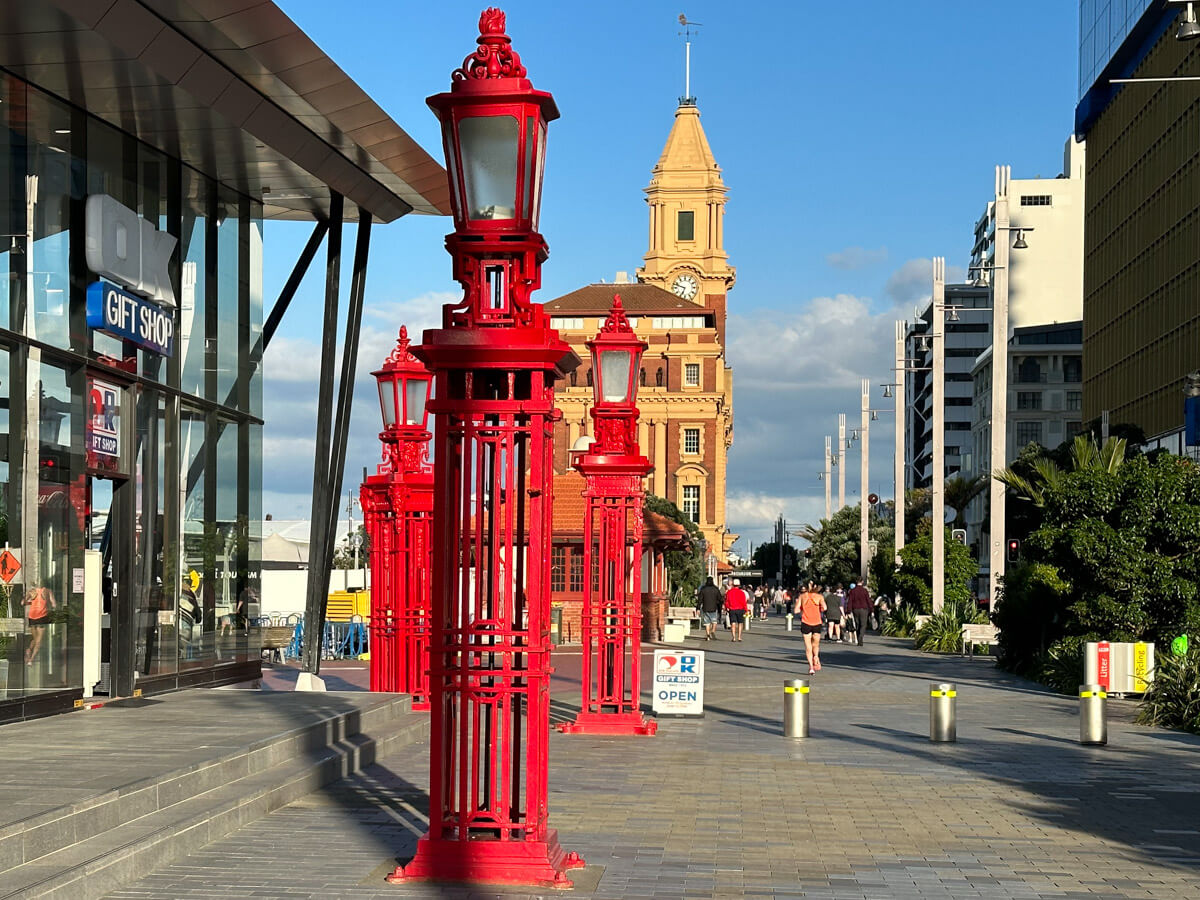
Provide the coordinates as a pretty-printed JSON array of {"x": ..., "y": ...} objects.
[
  {"x": 642, "y": 377},
  {"x": 589, "y": 377},
  {"x": 574, "y": 377},
  {"x": 658, "y": 377}
]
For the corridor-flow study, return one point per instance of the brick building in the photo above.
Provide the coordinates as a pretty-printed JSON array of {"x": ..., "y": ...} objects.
[{"x": 677, "y": 305}]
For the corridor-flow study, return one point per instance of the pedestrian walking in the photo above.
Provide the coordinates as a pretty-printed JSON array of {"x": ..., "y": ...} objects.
[
  {"x": 858, "y": 605},
  {"x": 811, "y": 606},
  {"x": 781, "y": 598},
  {"x": 736, "y": 602},
  {"x": 833, "y": 615},
  {"x": 709, "y": 600}
]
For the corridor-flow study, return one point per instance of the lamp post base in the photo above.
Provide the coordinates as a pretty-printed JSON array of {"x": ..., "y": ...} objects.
[
  {"x": 539, "y": 863},
  {"x": 615, "y": 723}
]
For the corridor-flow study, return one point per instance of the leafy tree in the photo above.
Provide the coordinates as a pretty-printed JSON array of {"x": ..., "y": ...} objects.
[
  {"x": 766, "y": 557},
  {"x": 915, "y": 579},
  {"x": 685, "y": 568},
  {"x": 959, "y": 492},
  {"x": 834, "y": 546}
]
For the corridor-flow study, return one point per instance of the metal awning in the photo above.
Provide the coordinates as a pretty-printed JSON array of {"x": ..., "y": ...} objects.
[{"x": 235, "y": 89}]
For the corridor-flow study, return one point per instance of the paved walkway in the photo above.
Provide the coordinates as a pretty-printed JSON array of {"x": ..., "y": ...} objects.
[{"x": 726, "y": 807}]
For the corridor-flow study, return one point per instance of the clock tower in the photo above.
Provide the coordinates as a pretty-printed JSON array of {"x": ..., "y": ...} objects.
[{"x": 686, "y": 198}]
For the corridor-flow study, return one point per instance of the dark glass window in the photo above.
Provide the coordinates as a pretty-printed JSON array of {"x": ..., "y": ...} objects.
[
  {"x": 685, "y": 225},
  {"x": 1072, "y": 369},
  {"x": 576, "y": 570},
  {"x": 558, "y": 569}
]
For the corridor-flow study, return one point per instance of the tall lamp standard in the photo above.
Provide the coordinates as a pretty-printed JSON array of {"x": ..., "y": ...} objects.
[
  {"x": 899, "y": 462},
  {"x": 828, "y": 478},
  {"x": 613, "y": 468},
  {"x": 494, "y": 361},
  {"x": 397, "y": 504},
  {"x": 938, "y": 481},
  {"x": 868, "y": 416},
  {"x": 841, "y": 461}
]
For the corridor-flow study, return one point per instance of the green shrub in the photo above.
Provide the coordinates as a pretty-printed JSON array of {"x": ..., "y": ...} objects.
[
  {"x": 943, "y": 632},
  {"x": 1062, "y": 665},
  {"x": 901, "y": 622},
  {"x": 1173, "y": 698}
]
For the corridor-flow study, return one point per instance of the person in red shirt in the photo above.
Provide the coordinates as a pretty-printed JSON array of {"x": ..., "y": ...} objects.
[{"x": 736, "y": 603}]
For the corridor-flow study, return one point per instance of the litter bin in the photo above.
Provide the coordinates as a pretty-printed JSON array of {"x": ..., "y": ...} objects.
[{"x": 556, "y": 625}]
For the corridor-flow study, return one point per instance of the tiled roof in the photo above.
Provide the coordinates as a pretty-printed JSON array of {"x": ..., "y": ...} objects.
[{"x": 597, "y": 299}]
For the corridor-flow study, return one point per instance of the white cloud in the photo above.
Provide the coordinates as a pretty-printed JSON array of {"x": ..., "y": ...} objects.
[
  {"x": 912, "y": 283},
  {"x": 856, "y": 258}
]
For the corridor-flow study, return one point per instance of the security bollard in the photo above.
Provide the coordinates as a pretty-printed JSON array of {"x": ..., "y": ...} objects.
[
  {"x": 795, "y": 708},
  {"x": 1093, "y": 714},
  {"x": 943, "y": 719},
  {"x": 789, "y": 621}
]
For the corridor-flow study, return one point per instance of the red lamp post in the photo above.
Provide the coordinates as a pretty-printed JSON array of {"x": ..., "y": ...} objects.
[
  {"x": 495, "y": 361},
  {"x": 397, "y": 504},
  {"x": 613, "y": 467}
]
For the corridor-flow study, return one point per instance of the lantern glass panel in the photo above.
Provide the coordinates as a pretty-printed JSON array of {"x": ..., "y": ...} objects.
[
  {"x": 387, "y": 402},
  {"x": 615, "y": 366},
  {"x": 535, "y": 209},
  {"x": 489, "y": 157},
  {"x": 415, "y": 392}
]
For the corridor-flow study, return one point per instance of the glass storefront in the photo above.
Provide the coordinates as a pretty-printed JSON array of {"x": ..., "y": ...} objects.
[{"x": 130, "y": 472}]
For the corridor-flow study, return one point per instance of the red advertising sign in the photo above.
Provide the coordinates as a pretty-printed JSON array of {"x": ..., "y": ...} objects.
[
  {"x": 104, "y": 426},
  {"x": 1103, "y": 657}
]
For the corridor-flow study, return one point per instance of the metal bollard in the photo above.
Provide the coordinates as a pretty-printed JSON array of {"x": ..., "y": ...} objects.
[
  {"x": 943, "y": 718},
  {"x": 1093, "y": 714},
  {"x": 795, "y": 708},
  {"x": 789, "y": 621}
]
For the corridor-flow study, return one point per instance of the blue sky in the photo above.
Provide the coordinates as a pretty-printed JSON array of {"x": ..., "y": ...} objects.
[{"x": 857, "y": 141}]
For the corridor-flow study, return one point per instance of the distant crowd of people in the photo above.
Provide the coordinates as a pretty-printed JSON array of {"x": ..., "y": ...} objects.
[{"x": 830, "y": 611}]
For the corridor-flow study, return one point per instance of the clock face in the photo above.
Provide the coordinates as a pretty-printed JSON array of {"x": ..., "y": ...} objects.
[{"x": 685, "y": 286}]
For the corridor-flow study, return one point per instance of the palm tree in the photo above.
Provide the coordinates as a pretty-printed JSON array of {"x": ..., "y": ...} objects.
[
  {"x": 959, "y": 492},
  {"x": 1047, "y": 476}
]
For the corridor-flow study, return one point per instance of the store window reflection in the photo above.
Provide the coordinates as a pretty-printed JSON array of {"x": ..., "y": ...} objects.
[
  {"x": 193, "y": 301},
  {"x": 54, "y": 176},
  {"x": 197, "y": 600},
  {"x": 12, "y": 610},
  {"x": 53, "y": 651},
  {"x": 229, "y": 544}
]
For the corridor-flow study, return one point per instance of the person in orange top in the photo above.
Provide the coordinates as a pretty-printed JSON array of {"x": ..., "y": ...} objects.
[{"x": 811, "y": 605}]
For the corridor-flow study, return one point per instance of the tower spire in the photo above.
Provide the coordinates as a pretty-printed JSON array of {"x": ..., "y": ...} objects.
[{"x": 687, "y": 99}]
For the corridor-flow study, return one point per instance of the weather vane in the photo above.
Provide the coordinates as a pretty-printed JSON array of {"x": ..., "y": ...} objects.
[{"x": 687, "y": 98}]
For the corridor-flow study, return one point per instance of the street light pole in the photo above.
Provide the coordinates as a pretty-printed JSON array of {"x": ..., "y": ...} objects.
[
  {"x": 841, "y": 464},
  {"x": 864, "y": 478},
  {"x": 999, "y": 428},
  {"x": 828, "y": 478},
  {"x": 901, "y": 427},
  {"x": 938, "y": 475}
]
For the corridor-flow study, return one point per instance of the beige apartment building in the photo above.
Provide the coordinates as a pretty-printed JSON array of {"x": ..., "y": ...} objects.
[{"x": 678, "y": 306}]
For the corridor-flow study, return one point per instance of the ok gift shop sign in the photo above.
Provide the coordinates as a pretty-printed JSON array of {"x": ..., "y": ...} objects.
[{"x": 678, "y": 683}]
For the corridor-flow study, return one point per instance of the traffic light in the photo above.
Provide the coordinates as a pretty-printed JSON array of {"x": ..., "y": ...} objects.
[
  {"x": 1014, "y": 550},
  {"x": 808, "y": 552},
  {"x": 960, "y": 535}
]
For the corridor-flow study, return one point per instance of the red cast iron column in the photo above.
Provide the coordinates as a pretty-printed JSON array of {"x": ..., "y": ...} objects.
[
  {"x": 398, "y": 508},
  {"x": 495, "y": 361},
  {"x": 614, "y": 468}
]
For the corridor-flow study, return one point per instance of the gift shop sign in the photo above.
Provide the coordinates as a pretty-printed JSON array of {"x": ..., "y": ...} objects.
[
  {"x": 104, "y": 419},
  {"x": 678, "y": 683},
  {"x": 124, "y": 315}
]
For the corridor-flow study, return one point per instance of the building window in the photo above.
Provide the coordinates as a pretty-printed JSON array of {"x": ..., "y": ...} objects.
[
  {"x": 691, "y": 502},
  {"x": 1029, "y": 371},
  {"x": 562, "y": 323},
  {"x": 558, "y": 569},
  {"x": 576, "y": 571},
  {"x": 677, "y": 322},
  {"x": 691, "y": 374},
  {"x": 1072, "y": 369},
  {"x": 691, "y": 440},
  {"x": 1074, "y": 400},
  {"x": 1037, "y": 200},
  {"x": 685, "y": 225},
  {"x": 1029, "y": 400},
  {"x": 1029, "y": 433}
]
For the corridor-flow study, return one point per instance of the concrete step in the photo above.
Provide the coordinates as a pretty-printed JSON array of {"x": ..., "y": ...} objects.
[{"x": 93, "y": 848}]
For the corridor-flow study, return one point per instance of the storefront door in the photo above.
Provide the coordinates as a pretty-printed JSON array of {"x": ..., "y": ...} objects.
[{"x": 107, "y": 504}]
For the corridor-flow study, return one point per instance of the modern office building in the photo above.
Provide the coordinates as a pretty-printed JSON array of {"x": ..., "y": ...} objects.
[
  {"x": 678, "y": 306},
  {"x": 1045, "y": 403},
  {"x": 1141, "y": 333},
  {"x": 968, "y": 335},
  {"x": 1045, "y": 279},
  {"x": 142, "y": 146}
]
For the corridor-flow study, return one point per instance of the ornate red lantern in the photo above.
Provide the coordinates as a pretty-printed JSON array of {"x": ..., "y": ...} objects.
[
  {"x": 397, "y": 504},
  {"x": 495, "y": 361},
  {"x": 613, "y": 468}
]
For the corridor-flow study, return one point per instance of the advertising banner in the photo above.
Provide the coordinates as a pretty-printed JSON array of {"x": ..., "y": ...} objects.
[
  {"x": 130, "y": 318},
  {"x": 103, "y": 426},
  {"x": 678, "y": 682}
]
